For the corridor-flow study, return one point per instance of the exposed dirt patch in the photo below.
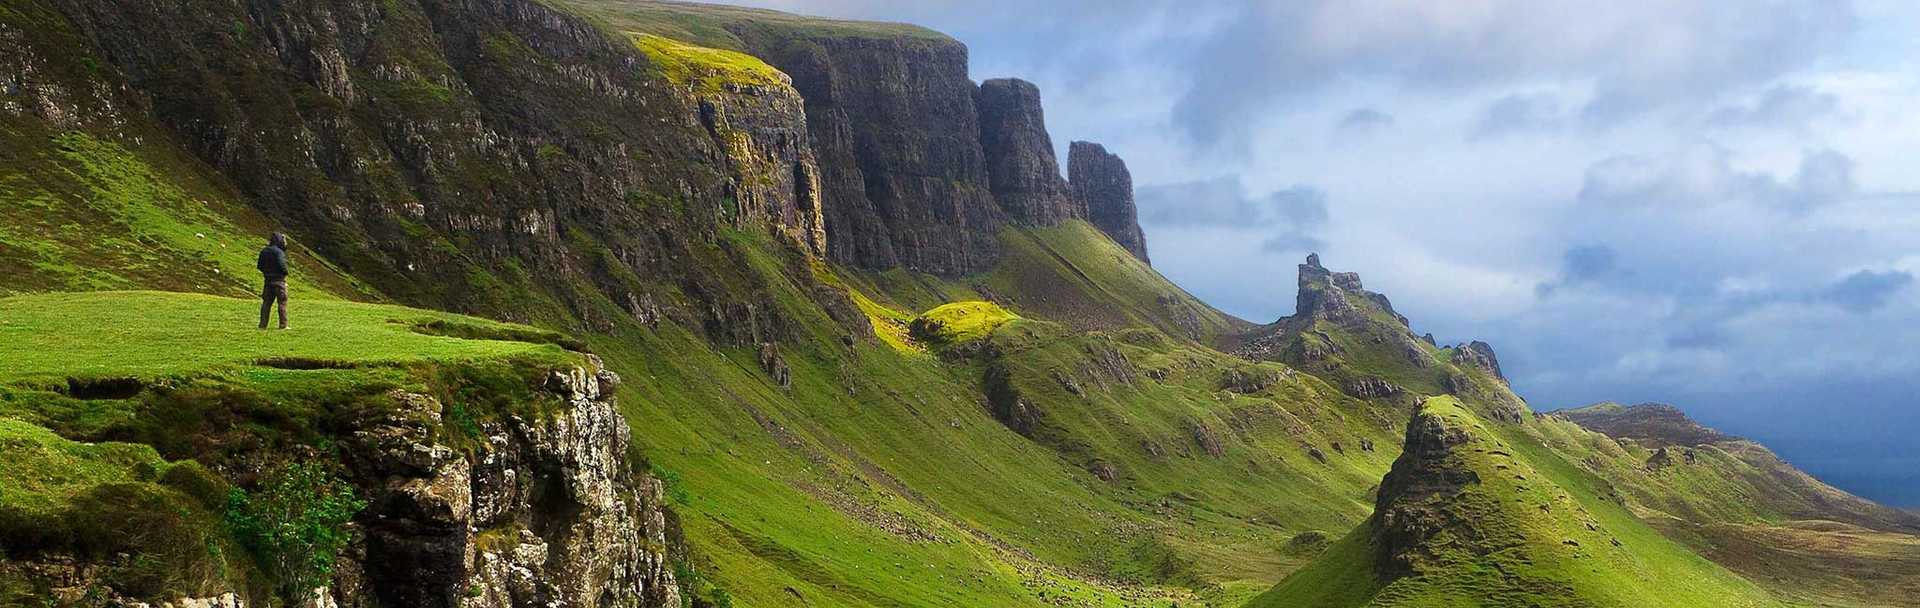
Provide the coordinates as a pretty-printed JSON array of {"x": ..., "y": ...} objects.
[{"x": 104, "y": 388}]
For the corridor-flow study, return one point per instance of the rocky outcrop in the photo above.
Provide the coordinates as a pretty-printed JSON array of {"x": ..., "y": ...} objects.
[
  {"x": 1101, "y": 184},
  {"x": 1332, "y": 295},
  {"x": 1371, "y": 387},
  {"x": 895, "y": 130},
  {"x": 1021, "y": 168},
  {"x": 1654, "y": 424},
  {"x": 545, "y": 511},
  {"x": 1414, "y": 502},
  {"x": 1478, "y": 355}
]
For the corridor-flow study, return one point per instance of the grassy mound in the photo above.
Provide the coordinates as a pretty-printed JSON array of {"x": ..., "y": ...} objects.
[
  {"x": 960, "y": 322},
  {"x": 155, "y": 524}
]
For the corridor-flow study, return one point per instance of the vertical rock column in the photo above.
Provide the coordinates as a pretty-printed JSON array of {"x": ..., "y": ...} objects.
[
  {"x": 1101, "y": 183},
  {"x": 1021, "y": 168}
]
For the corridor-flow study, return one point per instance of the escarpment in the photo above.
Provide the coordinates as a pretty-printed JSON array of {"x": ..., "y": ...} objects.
[
  {"x": 896, "y": 132},
  {"x": 484, "y": 157}
]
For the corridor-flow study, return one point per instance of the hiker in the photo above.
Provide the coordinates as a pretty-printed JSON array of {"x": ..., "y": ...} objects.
[{"x": 273, "y": 268}]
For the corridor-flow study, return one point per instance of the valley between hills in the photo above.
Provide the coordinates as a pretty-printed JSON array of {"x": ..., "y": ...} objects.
[{"x": 637, "y": 303}]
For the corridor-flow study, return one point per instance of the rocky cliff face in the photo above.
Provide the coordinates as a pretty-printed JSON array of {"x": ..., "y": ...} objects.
[
  {"x": 479, "y": 156},
  {"x": 1025, "y": 177},
  {"x": 1101, "y": 183},
  {"x": 896, "y": 132},
  {"x": 545, "y": 512}
]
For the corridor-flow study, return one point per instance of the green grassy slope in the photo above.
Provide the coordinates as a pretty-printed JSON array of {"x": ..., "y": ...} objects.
[
  {"x": 84, "y": 213},
  {"x": 1076, "y": 442},
  {"x": 883, "y": 476}
]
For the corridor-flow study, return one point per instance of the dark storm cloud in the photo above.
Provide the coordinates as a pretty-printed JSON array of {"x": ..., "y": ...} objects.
[
  {"x": 1284, "y": 221},
  {"x": 1867, "y": 290},
  {"x": 1580, "y": 264}
]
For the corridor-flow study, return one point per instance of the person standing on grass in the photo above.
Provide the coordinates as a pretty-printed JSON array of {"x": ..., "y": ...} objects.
[{"x": 273, "y": 268}]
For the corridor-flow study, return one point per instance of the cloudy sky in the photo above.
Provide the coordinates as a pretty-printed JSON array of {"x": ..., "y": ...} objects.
[{"x": 1705, "y": 202}]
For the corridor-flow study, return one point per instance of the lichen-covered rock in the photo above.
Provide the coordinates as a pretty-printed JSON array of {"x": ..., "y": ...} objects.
[
  {"x": 1101, "y": 183},
  {"x": 1021, "y": 168},
  {"x": 545, "y": 511}
]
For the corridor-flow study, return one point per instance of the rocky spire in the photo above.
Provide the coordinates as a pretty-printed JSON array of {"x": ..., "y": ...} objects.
[
  {"x": 1101, "y": 184},
  {"x": 1022, "y": 172},
  {"x": 1331, "y": 295}
]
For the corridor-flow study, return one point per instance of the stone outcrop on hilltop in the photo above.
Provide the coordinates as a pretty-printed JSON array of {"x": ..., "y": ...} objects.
[
  {"x": 1102, "y": 184},
  {"x": 1021, "y": 168},
  {"x": 895, "y": 130},
  {"x": 1324, "y": 294},
  {"x": 1341, "y": 329}
]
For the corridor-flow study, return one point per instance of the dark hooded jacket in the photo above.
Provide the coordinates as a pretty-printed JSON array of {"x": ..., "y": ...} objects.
[{"x": 273, "y": 259}]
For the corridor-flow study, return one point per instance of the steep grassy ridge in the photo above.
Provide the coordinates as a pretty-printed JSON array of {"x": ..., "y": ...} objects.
[{"x": 1474, "y": 514}]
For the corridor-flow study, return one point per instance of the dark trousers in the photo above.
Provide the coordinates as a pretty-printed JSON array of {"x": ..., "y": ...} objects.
[{"x": 276, "y": 291}]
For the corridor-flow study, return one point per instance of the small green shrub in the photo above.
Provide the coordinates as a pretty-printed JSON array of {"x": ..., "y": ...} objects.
[{"x": 295, "y": 524}]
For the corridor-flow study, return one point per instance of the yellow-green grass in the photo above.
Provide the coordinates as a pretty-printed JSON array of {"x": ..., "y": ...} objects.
[
  {"x": 145, "y": 334},
  {"x": 716, "y": 26},
  {"x": 961, "y": 322},
  {"x": 707, "y": 70}
]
